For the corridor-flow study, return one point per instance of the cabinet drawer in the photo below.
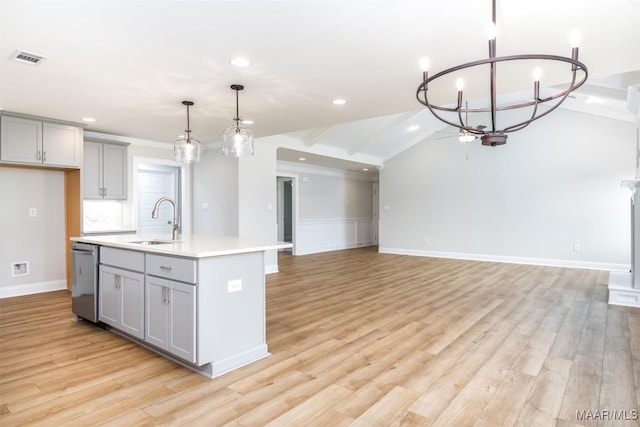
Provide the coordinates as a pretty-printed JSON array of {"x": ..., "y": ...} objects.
[
  {"x": 130, "y": 260},
  {"x": 181, "y": 269}
]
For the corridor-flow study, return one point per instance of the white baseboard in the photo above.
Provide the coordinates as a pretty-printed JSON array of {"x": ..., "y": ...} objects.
[
  {"x": 621, "y": 290},
  {"x": 587, "y": 265},
  {"x": 270, "y": 269},
  {"x": 32, "y": 288},
  {"x": 317, "y": 250}
]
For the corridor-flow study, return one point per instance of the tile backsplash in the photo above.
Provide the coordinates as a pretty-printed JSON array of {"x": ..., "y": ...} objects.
[{"x": 101, "y": 215}]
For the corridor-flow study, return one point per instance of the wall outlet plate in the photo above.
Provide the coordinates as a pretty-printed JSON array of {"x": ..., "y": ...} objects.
[
  {"x": 20, "y": 268},
  {"x": 234, "y": 285}
]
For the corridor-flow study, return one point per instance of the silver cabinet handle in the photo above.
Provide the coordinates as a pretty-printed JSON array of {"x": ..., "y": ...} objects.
[
  {"x": 44, "y": 156},
  {"x": 39, "y": 155},
  {"x": 165, "y": 295},
  {"x": 165, "y": 268}
]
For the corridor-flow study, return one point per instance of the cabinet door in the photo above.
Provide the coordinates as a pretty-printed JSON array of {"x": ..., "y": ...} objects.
[
  {"x": 114, "y": 171},
  {"x": 61, "y": 145},
  {"x": 170, "y": 317},
  {"x": 109, "y": 297},
  {"x": 21, "y": 140},
  {"x": 182, "y": 320},
  {"x": 132, "y": 315},
  {"x": 157, "y": 312},
  {"x": 92, "y": 171}
]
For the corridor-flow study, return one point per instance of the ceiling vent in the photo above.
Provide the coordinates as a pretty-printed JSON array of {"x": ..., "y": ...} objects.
[{"x": 28, "y": 57}]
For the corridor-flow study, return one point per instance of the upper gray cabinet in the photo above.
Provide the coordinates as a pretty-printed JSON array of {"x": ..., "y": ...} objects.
[
  {"x": 37, "y": 142},
  {"x": 104, "y": 172}
]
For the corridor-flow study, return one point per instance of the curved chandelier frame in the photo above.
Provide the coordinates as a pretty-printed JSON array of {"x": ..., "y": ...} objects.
[{"x": 490, "y": 135}]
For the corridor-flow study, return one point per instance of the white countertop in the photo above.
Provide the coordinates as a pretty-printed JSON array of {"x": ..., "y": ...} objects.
[{"x": 192, "y": 245}]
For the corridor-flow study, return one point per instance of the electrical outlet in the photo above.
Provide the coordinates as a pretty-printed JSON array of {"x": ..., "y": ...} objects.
[
  {"x": 234, "y": 285},
  {"x": 576, "y": 247},
  {"x": 19, "y": 268},
  {"x": 33, "y": 212},
  {"x": 426, "y": 239}
]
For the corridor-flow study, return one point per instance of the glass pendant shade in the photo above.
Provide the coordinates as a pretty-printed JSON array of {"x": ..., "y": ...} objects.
[
  {"x": 187, "y": 149},
  {"x": 237, "y": 141}
]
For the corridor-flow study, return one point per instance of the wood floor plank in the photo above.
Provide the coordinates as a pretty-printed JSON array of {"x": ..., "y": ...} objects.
[{"x": 356, "y": 338}]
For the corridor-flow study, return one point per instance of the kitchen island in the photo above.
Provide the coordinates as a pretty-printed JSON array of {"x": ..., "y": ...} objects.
[{"x": 199, "y": 300}]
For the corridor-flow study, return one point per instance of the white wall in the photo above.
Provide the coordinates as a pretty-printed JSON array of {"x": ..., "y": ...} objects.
[
  {"x": 335, "y": 208},
  {"x": 553, "y": 185},
  {"x": 39, "y": 240},
  {"x": 215, "y": 183}
]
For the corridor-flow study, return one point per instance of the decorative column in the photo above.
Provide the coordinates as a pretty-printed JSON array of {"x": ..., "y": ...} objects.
[{"x": 624, "y": 287}]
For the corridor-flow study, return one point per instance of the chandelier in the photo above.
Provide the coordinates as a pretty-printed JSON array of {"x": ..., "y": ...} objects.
[
  {"x": 491, "y": 134},
  {"x": 187, "y": 149},
  {"x": 237, "y": 140}
]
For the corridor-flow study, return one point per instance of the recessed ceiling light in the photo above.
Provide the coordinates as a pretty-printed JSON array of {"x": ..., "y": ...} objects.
[
  {"x": 247, "y": 121},
  {"x": 302, "y": 159},
  {"x": 88, "y": 119},
  {"x": 339, "y": 101},
  {"x": 413, "y": 128},
  {"x": 239, "y": 61},
  {"x": 365, "y": 169},
  {"x": 593, "y": 100}
]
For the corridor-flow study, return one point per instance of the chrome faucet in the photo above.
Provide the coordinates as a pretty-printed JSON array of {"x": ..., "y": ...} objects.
[{"x": 176, "y": 221}]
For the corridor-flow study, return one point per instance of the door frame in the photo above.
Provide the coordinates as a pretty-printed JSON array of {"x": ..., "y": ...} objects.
[
  {"x": 186, "y": 195},
  {"x": 294, "y": 204}
]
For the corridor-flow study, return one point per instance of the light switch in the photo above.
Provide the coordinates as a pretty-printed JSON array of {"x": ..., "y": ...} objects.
[
  {"x": 204, "y": 207},
  {"x": 33, "y": 212}
]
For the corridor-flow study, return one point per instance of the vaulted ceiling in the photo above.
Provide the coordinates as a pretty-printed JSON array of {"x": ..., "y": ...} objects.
[{"x": 129, "y": 64}]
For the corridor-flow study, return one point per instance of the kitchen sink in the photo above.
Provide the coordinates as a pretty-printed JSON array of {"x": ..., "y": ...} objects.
[{"x": 156, "y": 242}]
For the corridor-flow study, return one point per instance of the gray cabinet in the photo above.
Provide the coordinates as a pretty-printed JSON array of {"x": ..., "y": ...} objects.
[
  {"x": 37, "y": 142},
  {"x": 121, "y": 292},
  {"x": 170, "y": 317},
  {"x": 104, "y": 171},
  {"x": 122, "y": 300}
]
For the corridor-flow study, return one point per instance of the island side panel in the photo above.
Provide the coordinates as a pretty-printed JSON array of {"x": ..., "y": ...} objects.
[{"x": 231, "y": 314}]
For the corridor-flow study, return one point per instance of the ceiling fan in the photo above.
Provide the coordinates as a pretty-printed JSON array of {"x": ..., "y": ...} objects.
[{"x": 463, "y": 134}]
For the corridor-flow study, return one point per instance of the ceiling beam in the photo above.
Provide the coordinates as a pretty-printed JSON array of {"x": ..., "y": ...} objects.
[
  {"x": 314, "y": 136},
  {"x": 379, "y": 133}
]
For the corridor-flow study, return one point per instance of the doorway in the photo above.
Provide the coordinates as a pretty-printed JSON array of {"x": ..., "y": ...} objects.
[
  {"x": 155, "y": 181},
  {"x": 286, "y": 210}
]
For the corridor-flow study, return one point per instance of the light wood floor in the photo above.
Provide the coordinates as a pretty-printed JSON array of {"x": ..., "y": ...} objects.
[{"x": 357, "y": 338}]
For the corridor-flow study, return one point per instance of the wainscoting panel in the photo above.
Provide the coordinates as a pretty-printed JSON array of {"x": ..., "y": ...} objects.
[{"x": 333, "y": 234}]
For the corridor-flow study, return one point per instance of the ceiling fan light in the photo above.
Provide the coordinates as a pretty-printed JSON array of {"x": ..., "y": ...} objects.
[{"x": 466, "y": 137}]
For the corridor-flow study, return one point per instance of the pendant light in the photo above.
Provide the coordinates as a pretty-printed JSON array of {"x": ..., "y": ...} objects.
[
  {"x": 187, "y": 149},
  {"x": 237, "y": 140}
]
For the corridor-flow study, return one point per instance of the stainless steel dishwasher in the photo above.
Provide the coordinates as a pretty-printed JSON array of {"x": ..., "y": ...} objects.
[{"x": 84, "y": 283}]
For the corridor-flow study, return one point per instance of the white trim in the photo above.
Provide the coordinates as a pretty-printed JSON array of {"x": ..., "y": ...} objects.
[
  {"x": 270, "y": 269},
  {"x": 331, "y": 234},
  {"x": 32, "y": 288},
  {"x": 295, "y": 196},
  {"x": 127, "y": 140},
  {"x": 509, "y": 259},
  {"x": 297, "y": 168}
]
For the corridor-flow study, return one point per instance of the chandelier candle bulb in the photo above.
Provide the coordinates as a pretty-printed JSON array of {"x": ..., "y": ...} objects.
[
  {"x": 424, "y": 64},
  {"x": 492, "y": 30},
  {"x": 537, "y": 73},
  {"x": 574, "y": 38}
]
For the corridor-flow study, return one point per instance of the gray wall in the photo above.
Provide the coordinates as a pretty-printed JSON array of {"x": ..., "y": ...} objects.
[
  {"x": 215, "y": 183},
  {"x": 333, "y": 197},
  {"x": 40, "y": 240},
  {"x": 553, "y": 185}
]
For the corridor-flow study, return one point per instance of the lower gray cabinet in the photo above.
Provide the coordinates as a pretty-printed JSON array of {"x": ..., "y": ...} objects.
[
  {"x": 171, "y": 317},
  {"x": 122, "y": 300}
]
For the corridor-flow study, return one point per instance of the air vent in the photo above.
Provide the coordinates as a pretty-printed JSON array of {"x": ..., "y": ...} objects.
[{"x": 28, "y": 57}]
